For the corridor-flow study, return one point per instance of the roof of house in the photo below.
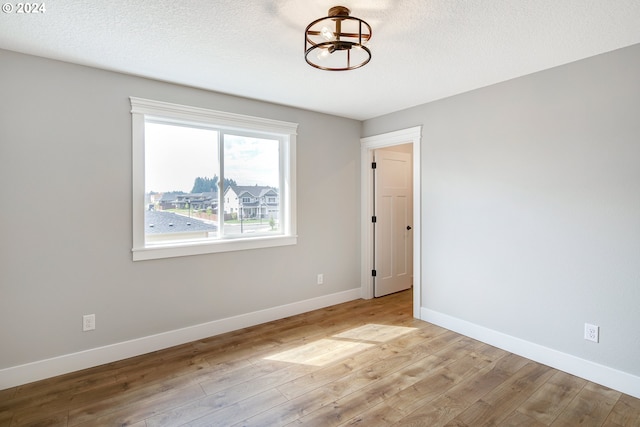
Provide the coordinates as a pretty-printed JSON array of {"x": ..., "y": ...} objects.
[
  {"x": 160, "y": 222},
  {"x": 168, "y": 197},
  {"x": 197, "y": 195},
  {"x": 172, "y": 197},
  {"x": 253, "y": 190}
]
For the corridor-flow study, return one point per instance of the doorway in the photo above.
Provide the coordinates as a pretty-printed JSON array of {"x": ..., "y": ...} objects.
[
  {"x": 369, "y": 145},
  {"x": 392, "y": 219}
]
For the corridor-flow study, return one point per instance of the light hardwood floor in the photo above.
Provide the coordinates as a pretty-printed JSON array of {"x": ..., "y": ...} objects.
[{"x": 362, "y": 363}]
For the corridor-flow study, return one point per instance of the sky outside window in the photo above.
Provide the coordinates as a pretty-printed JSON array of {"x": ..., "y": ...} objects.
[{"x": 176, "y": 155}]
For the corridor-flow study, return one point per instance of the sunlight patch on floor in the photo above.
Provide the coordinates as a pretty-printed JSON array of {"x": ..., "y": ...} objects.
[
  {"x": 320, "y": 352},
  {"x": 373, "y": 332},
  {"x": 344, "y": 344}
]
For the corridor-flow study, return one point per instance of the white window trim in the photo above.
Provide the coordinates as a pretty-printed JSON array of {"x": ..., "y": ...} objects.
[{"x": 141, "y": 108}]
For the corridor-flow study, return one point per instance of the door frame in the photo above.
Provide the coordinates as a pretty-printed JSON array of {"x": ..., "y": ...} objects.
[{"x": 367, "y": 146}]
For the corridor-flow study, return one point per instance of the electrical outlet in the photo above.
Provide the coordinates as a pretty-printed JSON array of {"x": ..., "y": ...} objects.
[
  {"x": 591, "y": 332},
  {"x": 320, "y": 279},
  {"x": 88, "y": 322}
]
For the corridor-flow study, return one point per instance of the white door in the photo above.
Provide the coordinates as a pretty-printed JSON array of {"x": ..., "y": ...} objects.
[{"x": 393, "y": 210}]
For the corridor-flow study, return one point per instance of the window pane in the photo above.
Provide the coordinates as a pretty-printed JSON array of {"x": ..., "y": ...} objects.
[
  {"x": 252, "y": 181},
  {"x": 181, "y": 175},
  {"x": 178, "y": 155}
]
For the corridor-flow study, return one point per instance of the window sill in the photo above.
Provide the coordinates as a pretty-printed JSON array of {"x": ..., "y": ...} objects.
[{"x": 199, "y": 248}]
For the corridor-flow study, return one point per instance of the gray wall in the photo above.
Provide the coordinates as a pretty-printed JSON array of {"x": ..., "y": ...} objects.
[
  {"x": 531, "y": 206},
  {"x": 66, "y": 232}
]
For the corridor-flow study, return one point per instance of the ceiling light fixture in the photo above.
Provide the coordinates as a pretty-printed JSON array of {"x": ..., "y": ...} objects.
[{"x": 337, "y": 42}]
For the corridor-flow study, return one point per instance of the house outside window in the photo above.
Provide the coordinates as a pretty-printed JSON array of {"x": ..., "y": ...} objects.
[{"x": 207, "y": 181}]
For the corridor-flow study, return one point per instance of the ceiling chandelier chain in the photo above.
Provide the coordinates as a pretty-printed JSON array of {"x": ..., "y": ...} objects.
[{"x": 338, "y": 41}]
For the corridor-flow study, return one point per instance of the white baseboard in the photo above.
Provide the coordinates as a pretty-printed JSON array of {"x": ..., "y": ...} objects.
[
  {"x": 594, "y": 372},
  {"x": 22, "y": 374}
]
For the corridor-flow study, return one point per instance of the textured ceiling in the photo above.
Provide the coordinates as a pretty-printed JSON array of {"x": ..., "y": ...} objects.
[{"x": 423, "y": 50}]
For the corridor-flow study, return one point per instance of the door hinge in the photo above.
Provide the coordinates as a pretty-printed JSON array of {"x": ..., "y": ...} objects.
[
  {"x": 374, "y": 273},
  {"x": 373, "y": 165},
  {"x": 374, "y": 219}
]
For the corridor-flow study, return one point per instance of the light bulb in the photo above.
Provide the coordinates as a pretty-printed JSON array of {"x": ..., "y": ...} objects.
[
  {"x": 327, "y": 34},
  {"x": 323, "y": 53}
]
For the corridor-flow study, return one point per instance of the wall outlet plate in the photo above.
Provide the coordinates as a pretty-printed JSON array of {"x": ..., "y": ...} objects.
[
  {"x": 591, "y": 332},
  {"x": 88, "y": 322}
]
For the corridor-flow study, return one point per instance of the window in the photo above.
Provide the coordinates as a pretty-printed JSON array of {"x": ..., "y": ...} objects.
[{"x": 206, "y": 181}]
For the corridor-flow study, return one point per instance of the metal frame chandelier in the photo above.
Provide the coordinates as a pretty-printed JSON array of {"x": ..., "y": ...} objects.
[{"x": 337, "y": 42}]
